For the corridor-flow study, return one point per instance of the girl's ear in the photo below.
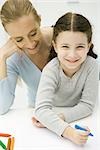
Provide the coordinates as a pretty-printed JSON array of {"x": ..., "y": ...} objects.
[
  {"x": 54, "y": 45},
  {"x": 90, "y": 45}
]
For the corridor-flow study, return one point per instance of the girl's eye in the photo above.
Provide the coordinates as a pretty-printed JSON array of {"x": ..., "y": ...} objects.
[{"x": 80, "y": 47}]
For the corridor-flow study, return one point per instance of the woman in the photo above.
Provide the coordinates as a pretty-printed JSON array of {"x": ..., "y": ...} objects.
[{"x": 26, "y": 52}]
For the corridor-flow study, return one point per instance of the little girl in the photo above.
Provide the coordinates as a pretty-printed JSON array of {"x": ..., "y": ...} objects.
[{"x": 69, "y": 82}]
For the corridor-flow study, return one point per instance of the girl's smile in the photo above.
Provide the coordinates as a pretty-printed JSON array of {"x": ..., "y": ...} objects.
[{"x": 71, "y": 48}]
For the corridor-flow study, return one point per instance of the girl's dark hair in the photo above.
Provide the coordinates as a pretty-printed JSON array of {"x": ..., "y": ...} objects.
[{"x": 76, "y": 23}]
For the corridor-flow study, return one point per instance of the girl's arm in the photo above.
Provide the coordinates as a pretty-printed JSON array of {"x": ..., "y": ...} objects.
[
  {"x": 45, "y": 114},
  {"x": 88, "y": 99},
  {"x": 44, "y": 102}
]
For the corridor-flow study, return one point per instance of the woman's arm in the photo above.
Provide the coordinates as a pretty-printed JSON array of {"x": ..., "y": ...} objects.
[
  {"x": 2, "y": 68},
  {"x": 7, "y": 86},
  {"x": 6, "y": 51}
]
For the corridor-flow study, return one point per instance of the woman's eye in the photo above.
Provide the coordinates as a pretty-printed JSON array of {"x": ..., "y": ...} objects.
[
  {"x": 65, "y": 46},
  {"x": 19, "y": 40},
  {"x": 33, "y": 34}
]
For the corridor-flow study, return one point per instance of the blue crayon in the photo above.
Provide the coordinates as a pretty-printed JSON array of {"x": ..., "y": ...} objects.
[{"x": 81, "y": 128}]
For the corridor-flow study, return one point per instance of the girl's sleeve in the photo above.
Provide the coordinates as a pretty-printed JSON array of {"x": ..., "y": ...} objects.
[
  {"x": 88, "y": 99},
  {"x": 44, "y": 103},
  {"x": 7, "y": 87}
]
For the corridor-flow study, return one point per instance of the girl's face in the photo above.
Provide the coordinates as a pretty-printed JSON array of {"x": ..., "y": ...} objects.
[
  {"x": 25, "y": 32},
  {"x": 72, "y": 49}
]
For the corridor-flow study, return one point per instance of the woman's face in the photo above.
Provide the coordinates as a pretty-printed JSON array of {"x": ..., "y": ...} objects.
[
  {"x": 72, "y": 49},
  {"x": 26, "y": 34}
]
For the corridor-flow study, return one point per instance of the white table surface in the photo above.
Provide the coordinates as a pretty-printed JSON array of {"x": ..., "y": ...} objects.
[{"x": 28, "y": 137}]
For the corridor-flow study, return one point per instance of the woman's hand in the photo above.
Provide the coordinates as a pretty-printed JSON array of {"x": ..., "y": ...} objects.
[{"x": 8, "y": 49}]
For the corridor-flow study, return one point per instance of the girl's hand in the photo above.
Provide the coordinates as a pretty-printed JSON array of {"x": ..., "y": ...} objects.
[
  {"x": 61, "y": 116},
  {"x": 37, "y": 123},
  {"x": 8, "y": 49},
  {"x": 76, "y": 136},
  {"x": 40, "y": 125}
]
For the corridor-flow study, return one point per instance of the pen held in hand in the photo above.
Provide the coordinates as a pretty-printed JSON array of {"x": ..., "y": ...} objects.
[{"x": 81, "y": 128}]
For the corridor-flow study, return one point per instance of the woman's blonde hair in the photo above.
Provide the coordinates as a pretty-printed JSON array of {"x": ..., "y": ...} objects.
[{"x": 14, "y": 9}]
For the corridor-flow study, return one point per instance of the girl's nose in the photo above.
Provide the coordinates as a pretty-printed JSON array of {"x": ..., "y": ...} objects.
[{"x": 72, "y": 54}]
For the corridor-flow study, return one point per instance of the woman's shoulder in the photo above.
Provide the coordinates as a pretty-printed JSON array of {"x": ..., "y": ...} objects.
[{"x": 47, "y": 33}]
